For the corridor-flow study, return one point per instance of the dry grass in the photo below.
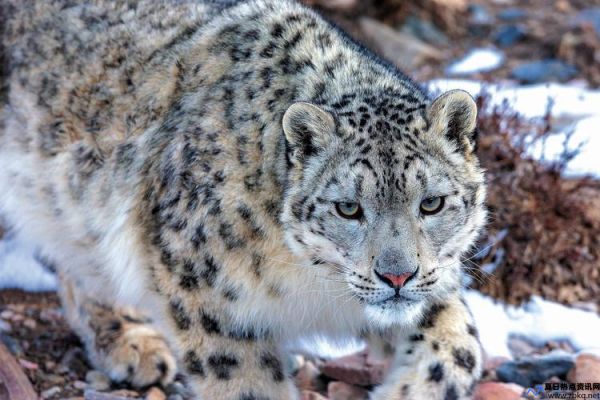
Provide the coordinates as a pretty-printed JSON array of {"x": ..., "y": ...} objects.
[{"x": 552, "y": 224}]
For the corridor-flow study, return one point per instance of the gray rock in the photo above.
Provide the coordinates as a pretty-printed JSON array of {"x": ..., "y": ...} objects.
[
  {"x": 480, "y": 20},
  {"x": 544, "y": 71},
  {"x": 589, "y": 16},
  {"x": 404, "y": 50},
  {"x": 532, "y": 371},
  {"x": 512, "y": 14},
  {"x": 508, "y": 35},
  {"x": 424, "y": 30}
]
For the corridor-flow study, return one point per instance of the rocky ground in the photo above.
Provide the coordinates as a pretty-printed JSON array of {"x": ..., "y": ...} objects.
[
  {"x": 544, "y": 234},
  {"x": 34, "y": 332}
]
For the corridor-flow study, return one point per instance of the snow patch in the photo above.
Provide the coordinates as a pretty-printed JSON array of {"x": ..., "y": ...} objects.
[
  {"x": 579, "y": 106},
  {"x": 477, "y": 60},
  {"x": 539, "y": 321}
]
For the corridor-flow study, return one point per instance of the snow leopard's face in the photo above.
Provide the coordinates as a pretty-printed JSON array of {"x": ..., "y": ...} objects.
[{"x": 388, "y": 203}]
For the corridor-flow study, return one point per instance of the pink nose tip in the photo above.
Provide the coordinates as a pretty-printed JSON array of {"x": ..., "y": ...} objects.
[{"x": 398, "y": 280}]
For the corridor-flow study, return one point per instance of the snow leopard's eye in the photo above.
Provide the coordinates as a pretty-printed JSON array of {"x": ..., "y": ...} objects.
[
  {"x": 349, "y": 210},
  {"x": 432, "y": 205}
]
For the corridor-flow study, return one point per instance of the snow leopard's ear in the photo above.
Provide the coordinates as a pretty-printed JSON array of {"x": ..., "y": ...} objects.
[
  {"x": 307, "y": 128},
  {"x": 454, "y": 114}
]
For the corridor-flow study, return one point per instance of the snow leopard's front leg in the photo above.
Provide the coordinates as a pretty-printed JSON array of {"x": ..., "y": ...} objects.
[
  {"x": 440, "y": 359},
  {"x": 226, "y": 361}
]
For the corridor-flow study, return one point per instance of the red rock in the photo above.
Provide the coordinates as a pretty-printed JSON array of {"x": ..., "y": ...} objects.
[
  {"x": 354, "y": 369},
  {"x": 155, "y": 394},
  {"x": 28, "y": 364},
  {"x": 586, "y": 369},
  {"x": 498, "y": 391},
  {"x": 308, "y": 376},
  {"x": 308, "y": 395},
  {"x": 344, "y": 391}
]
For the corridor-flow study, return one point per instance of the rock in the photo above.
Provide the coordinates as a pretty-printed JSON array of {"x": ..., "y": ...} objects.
[
  {"x": 80, "y": 385},
  {"x": 11, "y": 344},
  {"x": 155, "y": 394},
  {"x": 344, "y": 391},
  {"x": 294, "y": 362},
  {"x": 480, "y": 20},
  {"x": 355, "y": 370},
  {"x": 30, "y": 323},
  {"x": 28, "y": 364},
  {"x": 521, "y": 347},
  {"x": 307, "y": 377},
  {"x": 340, "y": 5},
  {"x": 508, "y": 35},
  {"x": 94, "y": 395},
  {"x": 497, "y": 391},
  {"x": 589, "y": 16},
  {"x": 424, "y": 30},
  {"x": 532, "y": 371},
  {"x": 586, "y": 369},
  {"x": 477, "y": 60},
  {"x": 177, "y": 388},
  {"x": 97, "y": 380},
  {"x": 404, "y": 50},
  {"x": 512, "y": 14},
  {"x": 308, "y": 395},
  {"x": 46, "y": 394},
  {"x": 5, "y": 326},
  {"x": 125, "y": 393},
  {"x": 544, "y": 71}
]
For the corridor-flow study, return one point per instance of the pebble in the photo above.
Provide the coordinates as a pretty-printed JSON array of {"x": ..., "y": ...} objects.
[
  {"x": 308, "y": 395},
  {"x": 308, "y": 377},
  {"x": 5, "y": 326},
  {"x": 544, "y": 71},
  {"x": 155, "y": 394},
  {"x": 480, "y": 20},
  {"x": 97, "y": 380},
  {"x": 46, "y": 394},
  {"x": 81, "y": 385},
  {"x": 586, "y": 369},
  {"x": 6, "y": 314},
  {"x": 12, "y": 344},
  {"x": 294, "y": 363},
  {"x": 354, "y": 369},
  {"x": 30, "y": 323},
  {"x": 532, "y": 371},
  {"x": 497, "y": 391},
  {"x": 344, "y": 391},
  {"x": 28, "y": 364},
  {"x": 508, "y": 35},
  {"x": 424, "y": 30},
  {"x": 521, "y": 347},
  {"x": 94, "y": 395}
]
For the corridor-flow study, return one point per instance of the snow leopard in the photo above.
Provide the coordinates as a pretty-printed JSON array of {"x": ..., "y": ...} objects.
[{"x": 214, "y": 180}]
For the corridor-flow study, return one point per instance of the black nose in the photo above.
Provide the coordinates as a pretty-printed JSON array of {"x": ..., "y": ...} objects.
[{"x": 395, "y": 281}]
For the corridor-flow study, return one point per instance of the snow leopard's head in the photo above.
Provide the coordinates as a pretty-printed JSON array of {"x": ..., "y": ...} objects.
[{"x": 385, "y": 194}]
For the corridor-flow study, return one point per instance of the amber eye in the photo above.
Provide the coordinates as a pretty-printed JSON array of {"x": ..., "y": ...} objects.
[
  {"x": 349, "y": 210},
  {"x": 432, "y": 205}
]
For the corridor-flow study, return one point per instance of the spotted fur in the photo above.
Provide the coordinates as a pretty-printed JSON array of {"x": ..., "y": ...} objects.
[{"x": 186, "y": 158}]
